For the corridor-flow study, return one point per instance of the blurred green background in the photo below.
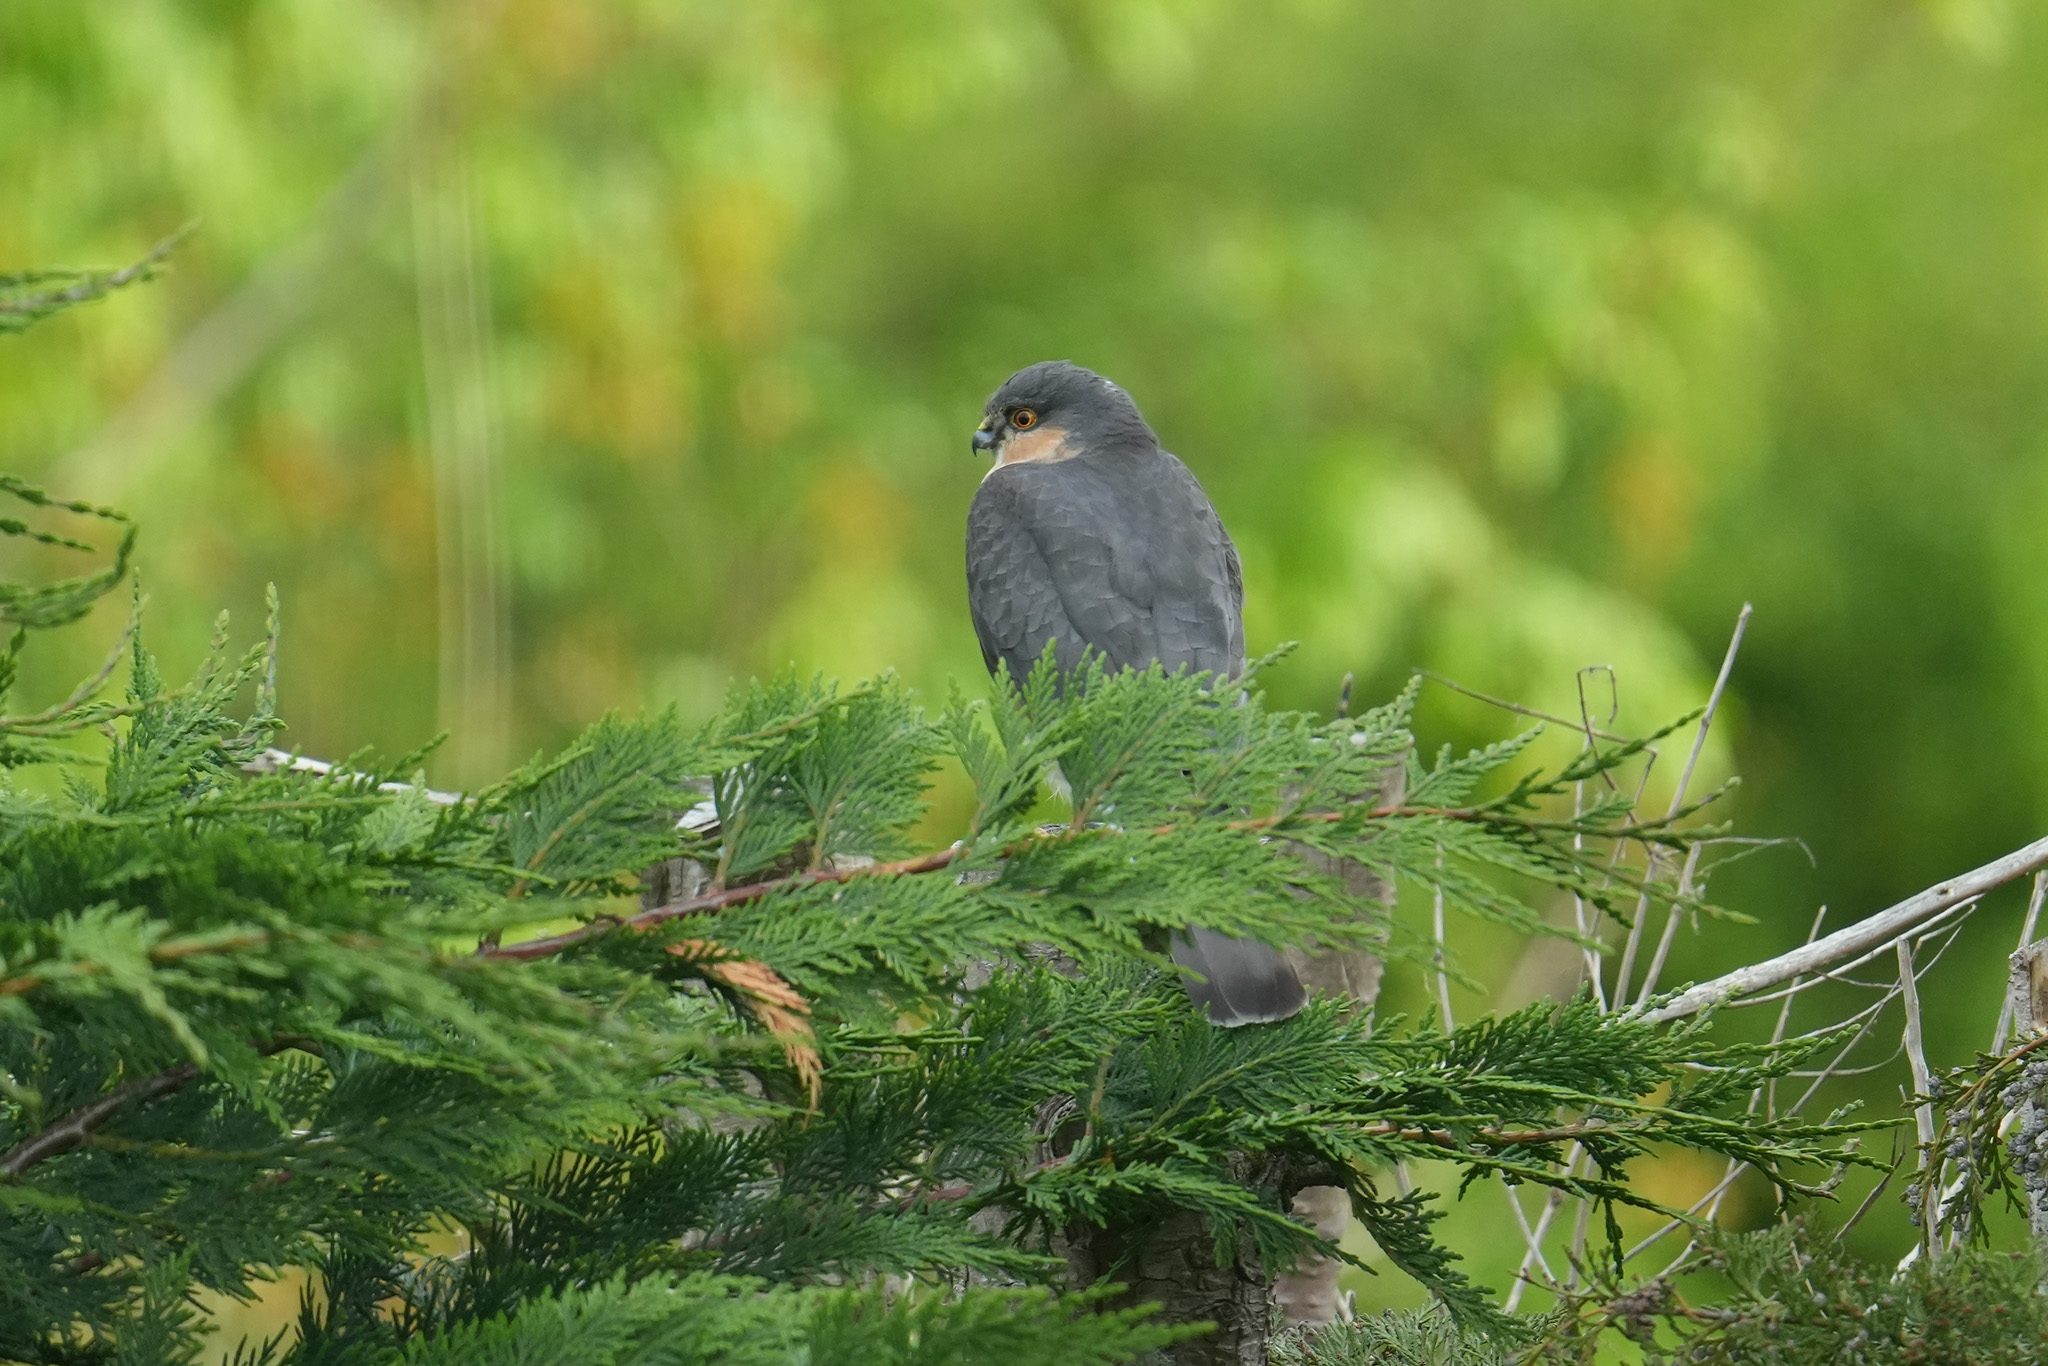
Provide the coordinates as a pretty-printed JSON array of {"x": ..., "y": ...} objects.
[{"x": 553, "y": 356}]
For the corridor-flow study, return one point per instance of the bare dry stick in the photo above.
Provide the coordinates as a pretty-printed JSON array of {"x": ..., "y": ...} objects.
[
  {"x": 284, "y": 761},
  {"x": 1708, "y": 1206},
  {"x": 1535, "y": 1243},
  {"x": 1582, "y": 918},
  {"x": 1923, "y": 1112},
  {"x": 1623, "y": 973},
  {"x": 1670, "y": 935},
  {"x": 74, "y": 1128},
  {"x": 1575, "y": 1156},
  {"x": 1551, "y": 1205},
  {"x": 78, "y": 1126},
  {"x": 1517, "y": 708},
  {"x": 1439, "y": 961},
  {"x": 1582, "y": 915},
  {"x": 1958, "y": 1234},
  {"x": 1840, "y": 975},
  {"x": 1867, "y": 935},
  {"x": 1764, "y": 1097},
  {"x": 1699, "y": 743},
  {"x": 1586, "y": 711},
  {"x": 1710, "y": 1201},
  {"x": 1767, "y": 1094}
]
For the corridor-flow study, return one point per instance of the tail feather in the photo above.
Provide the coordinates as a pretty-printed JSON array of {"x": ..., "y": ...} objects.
[{"x": 1236, "y": 981}]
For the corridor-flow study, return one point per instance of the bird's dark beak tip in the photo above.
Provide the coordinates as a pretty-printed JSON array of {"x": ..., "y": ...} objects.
[{"x": 983, "y": 441}]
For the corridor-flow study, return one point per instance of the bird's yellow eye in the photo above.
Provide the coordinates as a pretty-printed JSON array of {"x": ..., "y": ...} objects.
[{"x": 1023, "y": 419}]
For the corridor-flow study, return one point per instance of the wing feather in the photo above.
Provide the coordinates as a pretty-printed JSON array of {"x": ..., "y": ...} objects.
[
  {"x": 1129, "y": 559},
  {"x": 1011, "y": 591}
]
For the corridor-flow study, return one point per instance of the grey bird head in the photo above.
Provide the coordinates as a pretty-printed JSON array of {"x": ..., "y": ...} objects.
[{"x": 1056, "y": 410}]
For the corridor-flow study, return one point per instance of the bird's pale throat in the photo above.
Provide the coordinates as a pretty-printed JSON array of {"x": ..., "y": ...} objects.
[{"x": 1047, "y": 444}]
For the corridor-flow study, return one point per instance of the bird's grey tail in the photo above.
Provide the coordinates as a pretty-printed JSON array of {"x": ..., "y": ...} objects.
[{"x": 1236, "y": 981}]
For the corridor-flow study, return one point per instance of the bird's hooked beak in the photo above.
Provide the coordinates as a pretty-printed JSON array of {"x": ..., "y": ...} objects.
[{"x": 984, "y": 439}]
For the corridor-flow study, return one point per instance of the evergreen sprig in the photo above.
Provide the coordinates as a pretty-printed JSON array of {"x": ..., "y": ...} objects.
[
  {"x": 29, "y": 296},
  {"x": 1797, "y": 1293}
]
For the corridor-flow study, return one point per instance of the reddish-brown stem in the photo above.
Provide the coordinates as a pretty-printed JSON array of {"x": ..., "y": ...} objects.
[
  {"x": 711, "y": 902},
  {"x": 79, "y": 1125},
  {"x": 723, "y": 898},
  {"x": 74, "y": 1128}
]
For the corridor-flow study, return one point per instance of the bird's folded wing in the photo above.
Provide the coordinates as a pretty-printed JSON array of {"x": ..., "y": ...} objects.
[{"x": 1034, "y": 576}]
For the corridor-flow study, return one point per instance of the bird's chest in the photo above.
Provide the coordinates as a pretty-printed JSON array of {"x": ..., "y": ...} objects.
[{"x": 1120, "y": 529}]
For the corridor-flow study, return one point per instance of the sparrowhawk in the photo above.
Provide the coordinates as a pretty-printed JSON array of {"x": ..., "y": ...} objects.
[{"x": 1088, "y": 534}]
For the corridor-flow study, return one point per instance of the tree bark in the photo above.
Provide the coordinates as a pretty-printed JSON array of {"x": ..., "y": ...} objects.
[
  {"x": 1307, "y": 1294},
  {"x": 1173, "y": 1263}
]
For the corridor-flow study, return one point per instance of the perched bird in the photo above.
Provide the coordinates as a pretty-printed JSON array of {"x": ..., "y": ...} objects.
[{"x": 1087, "y": 533}]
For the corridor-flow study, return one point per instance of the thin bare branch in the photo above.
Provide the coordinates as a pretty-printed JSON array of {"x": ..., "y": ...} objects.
[
  {"x": 1670, "y": 935},
  {"x": 1923, "y": 1110},
  {"x": 284, "y": 761},
  {"x": 1874, "y": 932},
  {"x": 1534, "y": 1241},
  {"x": 1839, "y": 976},
  {"x": 1439, "y": 960},
  {"x": 1515, "y": 707},
  {"x": 75, "y": 1127},
  {"x": 1551, "y": 1206},
  {"x": 1699, "y": 743}
]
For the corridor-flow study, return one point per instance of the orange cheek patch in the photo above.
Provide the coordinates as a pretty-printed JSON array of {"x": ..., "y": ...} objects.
[{"x": 1040, "y": 443}]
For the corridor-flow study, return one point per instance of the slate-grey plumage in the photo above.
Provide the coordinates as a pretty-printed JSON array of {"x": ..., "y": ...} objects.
[{"x": 1087, "y": 533}]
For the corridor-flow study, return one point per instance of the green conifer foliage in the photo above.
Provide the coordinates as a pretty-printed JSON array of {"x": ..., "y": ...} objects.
[
  {"x": 841, "y": 1094},
  {"x": 29, "y": 296},
  {"x": 254, "y": 1017}
]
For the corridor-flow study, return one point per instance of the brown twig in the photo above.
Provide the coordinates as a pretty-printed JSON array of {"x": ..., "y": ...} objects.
[
  {"x": 80, "y": 1124},
  {"x": 724, "y": 898},
  {"x": 74, "y": 1128},
  {"x": 168, "y": 953},
  {"x": 68, "y": 1132},
  {"x": 1692, "y": 759}
]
